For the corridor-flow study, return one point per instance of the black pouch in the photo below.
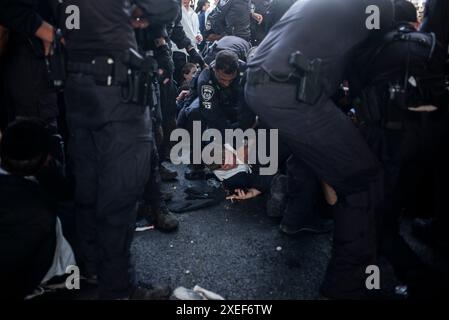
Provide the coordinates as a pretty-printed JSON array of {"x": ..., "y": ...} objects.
[{"x": 309, "y": 85}]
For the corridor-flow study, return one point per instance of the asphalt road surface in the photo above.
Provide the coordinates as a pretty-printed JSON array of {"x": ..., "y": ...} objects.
[{"x": 236, "y": 251}]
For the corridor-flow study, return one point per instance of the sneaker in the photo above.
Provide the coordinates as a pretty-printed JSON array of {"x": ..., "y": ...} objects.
[
  {"x": 152, "y": 293},
  {"x": 143, "y": 225},
  {"x": 167, "y": 174}
]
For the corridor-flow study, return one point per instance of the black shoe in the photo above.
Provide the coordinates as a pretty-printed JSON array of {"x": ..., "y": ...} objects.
[
  {"x": 277, "y": 200},
  {"x": 316, "y": 226},
  {"x": 164, "y": 220},
  {"x": 161, "y": 218},
  {"x": 195, "y": 172},
  {"x": 152, "y": 293},
  {"x": 167, "y": 174},
  {"x": 431, "y": 233}
]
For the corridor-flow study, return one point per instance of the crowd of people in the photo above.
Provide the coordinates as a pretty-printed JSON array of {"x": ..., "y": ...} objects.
[{"x": 87, "y": 116}]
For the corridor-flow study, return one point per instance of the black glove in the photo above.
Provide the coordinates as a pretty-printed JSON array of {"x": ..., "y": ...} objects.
[{"x": 196, "y": 58}]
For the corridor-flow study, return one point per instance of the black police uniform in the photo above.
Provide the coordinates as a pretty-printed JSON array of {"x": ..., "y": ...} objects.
[
  {"x": 318, "y": 133},
  {"x": 235, "y": 44},
  {"x": 110, "y": 142},
  {"x": 231, "y": 17},
  {"x": 222, "y": 108}
]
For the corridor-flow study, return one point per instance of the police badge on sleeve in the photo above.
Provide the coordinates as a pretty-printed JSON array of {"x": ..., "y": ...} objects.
[{"x": 223, "y": 2}]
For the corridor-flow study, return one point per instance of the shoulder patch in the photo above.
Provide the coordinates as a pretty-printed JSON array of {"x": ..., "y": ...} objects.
[
  {"x": 207, "y": 92},
  {"x": 223, "y": 2}
]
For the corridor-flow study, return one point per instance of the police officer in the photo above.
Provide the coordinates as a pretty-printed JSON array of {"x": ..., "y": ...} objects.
[
  {"x": 390, "y": 119},
  {"x": 221, "y": 101},
  {"x": 231, "y": 17},
  {"x": 217, "y": 100},
  {"x": 236, "y": 44},
  {"x": 435, "y": 135},
  {"x": 110, "y": 136},
  {"x": 295, "y": 71},
  {"x": 158, "y": 37}
]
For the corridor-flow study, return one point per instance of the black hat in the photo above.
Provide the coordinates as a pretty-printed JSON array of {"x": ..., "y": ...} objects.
[{"x": 25, "y": 140}]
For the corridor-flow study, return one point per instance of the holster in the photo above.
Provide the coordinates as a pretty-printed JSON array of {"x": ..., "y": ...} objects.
[
  {"x": 308, "y": 74},
  {"x": 131, "y": 71}
]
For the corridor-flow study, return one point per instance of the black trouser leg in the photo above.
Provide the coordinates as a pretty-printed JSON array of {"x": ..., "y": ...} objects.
[
  {"x": 302, "y": 190},
  {"x": 111, "y": 151}
]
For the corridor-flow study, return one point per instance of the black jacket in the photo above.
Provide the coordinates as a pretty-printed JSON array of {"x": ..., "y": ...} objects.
[
  {"x": 20, "y": 16},
  {"x": 232, "y": 18},
  {"x": 27, "y": 235},
  {"x": 105, "y": 26}
]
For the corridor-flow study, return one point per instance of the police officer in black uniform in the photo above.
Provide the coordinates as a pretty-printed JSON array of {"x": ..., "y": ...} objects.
[
  {"x": 221, "y": 101},
  {"x": 295, "y": 71},
  {"x": 216, "y": 99},
  {"x": 110, "y": 136},
  {"x": 236, "y": 44},
  {"x": 232, "y": 18},
  {"x": 390, "y": 115},
  {"x": 435, "y": 135}
]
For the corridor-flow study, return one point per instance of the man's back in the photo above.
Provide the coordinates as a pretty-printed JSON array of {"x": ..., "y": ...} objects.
[
  {"x": 105, "y": 25},
  {"x": 326, "y": 29}
]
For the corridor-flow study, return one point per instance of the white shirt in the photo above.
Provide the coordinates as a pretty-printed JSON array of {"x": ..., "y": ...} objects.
[{"x": 191, "y": 26}]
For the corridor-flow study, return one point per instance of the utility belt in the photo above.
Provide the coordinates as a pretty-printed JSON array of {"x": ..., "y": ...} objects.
[
  {"x": 306, "y": 77},
  {"x": 130, "y": 71}
]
